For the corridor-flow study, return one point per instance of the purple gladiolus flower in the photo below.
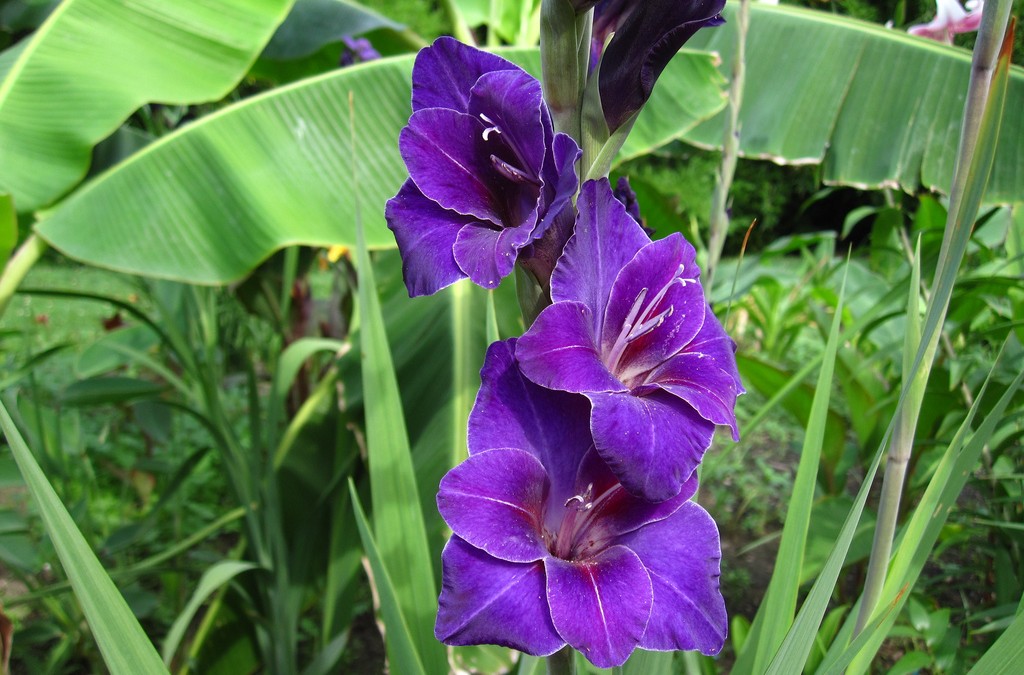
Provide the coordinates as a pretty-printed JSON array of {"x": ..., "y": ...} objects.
[
  {"x": 549, "y": 549},
  {"x": 647, "y": 34},
  {"x": 487, "y": 173},
  {"x": 631, "y": 330}
]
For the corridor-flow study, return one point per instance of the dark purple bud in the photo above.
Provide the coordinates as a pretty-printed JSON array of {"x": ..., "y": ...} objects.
[
  {"x": 646, "y": 37},
  {"x": 357, "y": 50}
]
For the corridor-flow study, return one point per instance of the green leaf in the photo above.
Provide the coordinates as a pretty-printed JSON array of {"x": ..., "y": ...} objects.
[
  {"x": 213, "y": 578},
  {"x": 776, "y": 613},
  {"x": 122, "y": 642},
  {"x": 1006, "y": 654},
  {"x": 874, "y": 106},
  {"x": 8, "y": 228},
  {"x": 398, "y": 520},
  {"x": 209, "y": 202},
  {"x": 401, "y": 648},
  {"x": 109, "y": 390},
  {"x": 93, "y": 62}
]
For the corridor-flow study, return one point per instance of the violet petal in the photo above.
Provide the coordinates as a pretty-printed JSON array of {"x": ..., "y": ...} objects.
[
  {"x": 605, "y": 239},
  {"x": 426, "y": 235},
  {"x": 445, "y": 72},
  {"x": 495, "y": 501},
  {"x": 512, "y": 412},
  {"x": 705, "y": 375},
  {"x": 681, "y": 554},
  {"x": 652, "y": 443},
  {"x": 559, "y": 351},
  {"x": 489, "y": 601},
  {"x": 600, "y": 606},
  {"x": 442, "y": 150},
  {"x": 664, "y": 268}
]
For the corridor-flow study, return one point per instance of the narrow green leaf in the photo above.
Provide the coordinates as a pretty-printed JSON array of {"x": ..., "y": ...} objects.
[
  {"x": 8, "y": 229},
  {"x": 643, "y": 662},
  {"x": 776, "y": 613},
  {"x": 401, "y": 648},
  {"x": 213, "y": 578},
  {"x": 125, "y": 648},
  {"x": 922, "y": 531},
  {"x": 93, "y": 62},
  {"x": 109, "y": 390},
  {"x": 398, "y": 520},
  {"x": 1006, "y": 654}
]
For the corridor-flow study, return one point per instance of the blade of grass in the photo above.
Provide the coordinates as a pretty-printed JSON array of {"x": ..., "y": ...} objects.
[
  {"x": 122, "y": 642},
  {"x": 397, "y": 519},
  {"x": 402, "y": 653},
  {"x": 213, "y": 578},
  {"x": 978, "y": 141},
  {"x": 1006, "y": 654},
  {"x": 797, "y": 645},
  {"x": 922, "y": 531},
  {"x": 776, "y": 613}
]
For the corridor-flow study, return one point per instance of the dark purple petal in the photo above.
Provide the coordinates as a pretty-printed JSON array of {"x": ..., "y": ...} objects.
[
  {"x": 652, "y": 443},
  {"x": 513, "y": 412},
  {"x": 682, "y": 554},
  {"x": 489, "y": 601},
  {"x": 705, "y": 375},
  {"x": 605, "y": 239},
  {"x": 646, "y": 38},
  {"x": 559, "y": 351},
  {"x": 487, "y": 255},
  {"x": 495, "y": 501},
  {"x": 559, "y": 181},
  {"x": 601, "y": 606},
  {"x": 445, "y": 72},
  {"x": 665, "y": 267},
  {"x": 426, "y": 235},
  {"x": 442, "y": 150},
  {"x": 509, "y": 102}
]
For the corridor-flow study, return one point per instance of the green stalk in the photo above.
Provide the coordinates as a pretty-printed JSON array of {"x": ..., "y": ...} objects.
[
  {"x": 27, "y": 255},
  {"x": 460, "y": 29},
  {"x": 564, "y": 61},
  {"x": 719, "y": 224},
  {"x": 562, "y": 662},
  {"x": 974, "y": 164}
]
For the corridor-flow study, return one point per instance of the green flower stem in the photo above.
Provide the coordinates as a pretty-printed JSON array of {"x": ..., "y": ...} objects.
[
  {"x": 460, "y": 29},
  {"x": 17, "y": 268},
  {"x": 719, "y": 225},
  {"x": 562, "y": 662},
  {"x": 564, "y": 60},
  {"x": 974, "y": 162}
]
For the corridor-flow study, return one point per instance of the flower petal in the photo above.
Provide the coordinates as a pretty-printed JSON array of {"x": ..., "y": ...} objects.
[
  {"x": 681, "y": 554},
  {"x": 600, "y": 606},
  {"x": 426, "y": 235},
  {"x": 487, "y": 255},
  {"x": 652, "y": 442},
  {"x": 648, "y": 36},
  {"x": 653, "y": 270},
  {"x": 512, "y": 412},
  {"x": 446, "y": 158},
  {"x": 605, "y": 239},
  {"x": 510, "y": 103},
  {"x": 489, "y": 601},
  {"x": 495, "y": 501},
  {"x": 445, "y": 72},
  {"x": 705, "y": 375},
  {"x": 559, "y": 351}
]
